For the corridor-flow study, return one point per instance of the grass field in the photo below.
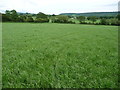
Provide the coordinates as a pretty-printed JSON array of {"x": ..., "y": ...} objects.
[{"x": 59, "y": 56}]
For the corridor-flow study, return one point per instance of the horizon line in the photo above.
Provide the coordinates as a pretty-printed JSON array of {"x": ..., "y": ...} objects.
[{"x": 3, "y": 11}]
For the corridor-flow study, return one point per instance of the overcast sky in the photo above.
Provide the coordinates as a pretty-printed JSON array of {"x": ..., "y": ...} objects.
[{"x": 59, "y": 6}]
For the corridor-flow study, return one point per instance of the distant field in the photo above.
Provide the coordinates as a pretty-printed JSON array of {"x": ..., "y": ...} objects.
[
  {"x": 59, "y": 56},
  {"x": 99, "y": 14}
]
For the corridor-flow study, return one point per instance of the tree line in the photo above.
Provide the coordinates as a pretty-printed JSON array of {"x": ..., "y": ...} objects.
[{"x": 13, "y": 16}]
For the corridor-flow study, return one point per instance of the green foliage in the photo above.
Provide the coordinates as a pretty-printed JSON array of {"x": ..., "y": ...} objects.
[
  {"x": 53, "y": 15},
  {"x": 41, "y": 15},
  {"x": 118, "y": 16},
  {"x": 60, "y": 19},
  {"x": 103, "y": 21},
  {"x": 22, "y": 18},
  {"x": 92, "y": 18},
  {"x": 106, "y": 17},
  {"x": 13, "y": 16},
  {"x": 5, "y": 18},
  {"x": 29, "y": 19},
  {"x": 114, "y": 21},
  {"x": 81, "y": 18},
  {"x": 41, "y": 20},
  {"x": 59, "y": 56}
]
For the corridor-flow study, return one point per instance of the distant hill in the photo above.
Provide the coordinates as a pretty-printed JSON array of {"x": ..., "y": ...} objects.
[{"x": 91, "y": 14}]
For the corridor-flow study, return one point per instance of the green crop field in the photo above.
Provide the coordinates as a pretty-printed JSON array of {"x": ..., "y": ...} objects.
[{"x": 59, "y": 56}]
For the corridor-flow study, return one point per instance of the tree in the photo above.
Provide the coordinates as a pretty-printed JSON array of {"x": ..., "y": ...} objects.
[
  {"x": 61, "y": 19},
  {"x": 114, "y": 21},
  {"x": 41, "y": 20},
  {"x": 92, "y": 18},
  {"x": 5, "y": 18},
  {"x": 7, "y": 13},
  {"x": 22, "y": 18},
  {"x": 53, "y": 15},
  {"x": 13, "y": 16},
  {"x": 41, "y": 15},
  {"x": 0, "y": 17},
  {"x": 118, "y": 16},
  {"x": 52, "y": 19},
  {"x": 29, "y": 19},
  {"x": 81, "y": 18},
  {"x": 103, "y": 21}
]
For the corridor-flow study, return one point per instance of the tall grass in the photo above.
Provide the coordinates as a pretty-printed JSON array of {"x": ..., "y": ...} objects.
[{"x": 59, "y": 56}]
